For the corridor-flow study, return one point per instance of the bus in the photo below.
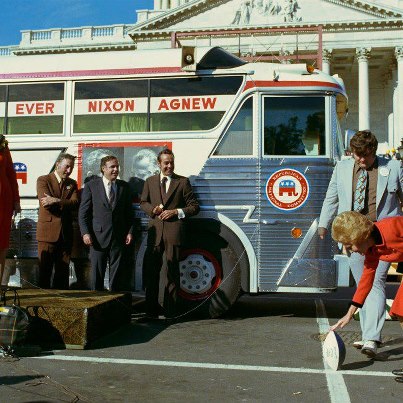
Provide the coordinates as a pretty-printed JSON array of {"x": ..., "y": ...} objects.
[{"x": 258, "y": 142}]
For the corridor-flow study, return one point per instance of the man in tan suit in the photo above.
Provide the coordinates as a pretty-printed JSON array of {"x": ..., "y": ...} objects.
[
  {"x": 168, "y": 199},
  {"x": 58, "y": 197}
]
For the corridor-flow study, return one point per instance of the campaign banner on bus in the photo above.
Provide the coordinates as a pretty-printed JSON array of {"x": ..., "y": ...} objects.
[
  {"x": 137, "y": 162},
  {"x": 203, "y": 103},
  {"x": 109, "y": 106},
  {"x": 35, "y": 108}
]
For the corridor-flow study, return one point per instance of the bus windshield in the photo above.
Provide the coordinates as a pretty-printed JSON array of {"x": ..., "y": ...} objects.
[{"x": 294, "y": 126}]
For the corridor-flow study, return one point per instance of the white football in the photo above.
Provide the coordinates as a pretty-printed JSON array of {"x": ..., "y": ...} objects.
[{"x": 334, "y": 350}]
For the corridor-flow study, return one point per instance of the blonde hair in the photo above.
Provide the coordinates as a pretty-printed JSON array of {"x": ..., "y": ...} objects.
[{"x": 351, "y": 227}]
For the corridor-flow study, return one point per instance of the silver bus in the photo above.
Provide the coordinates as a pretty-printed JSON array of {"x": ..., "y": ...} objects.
[{"x": 257, "y": 140}]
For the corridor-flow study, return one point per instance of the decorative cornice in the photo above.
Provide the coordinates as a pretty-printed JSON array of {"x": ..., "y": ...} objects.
[
  {"x": 372, "y": 9},
  {"x": 74, "y": 49},
  {"x": 327, "y": 26}
]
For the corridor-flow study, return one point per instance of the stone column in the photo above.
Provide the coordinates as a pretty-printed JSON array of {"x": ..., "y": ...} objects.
[
  {"x": 363, "y": 55},
  {"x": 398, "y": 99},
  {"x": 157, "y": 5},
  {"x": 175, "y": 3},
  {"x": 164, "y": 5},
  {"x": 326, "y": 58}
]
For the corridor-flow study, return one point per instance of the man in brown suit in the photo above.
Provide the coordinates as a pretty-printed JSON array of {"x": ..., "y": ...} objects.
[
  {"x": 58, "y": 197},
  {"x": 168, "y": 199}
]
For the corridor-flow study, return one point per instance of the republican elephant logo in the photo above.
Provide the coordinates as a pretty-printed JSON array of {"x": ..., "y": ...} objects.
[{"x": 288, "y": 187}]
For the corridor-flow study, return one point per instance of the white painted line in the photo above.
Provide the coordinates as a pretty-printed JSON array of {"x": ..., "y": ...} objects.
[
  {"x": 337, "y": 387},
  {"x": 205, "y": 365}
]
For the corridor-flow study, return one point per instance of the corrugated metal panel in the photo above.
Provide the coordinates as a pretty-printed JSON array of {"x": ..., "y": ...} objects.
[
  {"x": 23, "y": 235},
  {"x": 242, "y": 181}
]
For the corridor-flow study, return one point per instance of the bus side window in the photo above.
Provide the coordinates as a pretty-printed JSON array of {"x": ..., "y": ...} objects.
[
  {"x": 115, "y": 106},
  {"x": 238, "y": 140},
  {"x": 294, "y": 126},
  {"x": 35, "y": 108}
]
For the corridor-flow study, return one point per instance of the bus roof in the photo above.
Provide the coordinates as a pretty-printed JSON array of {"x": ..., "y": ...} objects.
[{"x": 187, "y": 61}]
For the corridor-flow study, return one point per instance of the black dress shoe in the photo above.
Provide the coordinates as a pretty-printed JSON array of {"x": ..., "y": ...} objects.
[
  {"x": 398, "y": 372},
  {"x": 155, "y": 313},
  {"x": 399, "y": 379}
]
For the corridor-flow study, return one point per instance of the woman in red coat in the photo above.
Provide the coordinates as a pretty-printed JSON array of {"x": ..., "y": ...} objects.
[
  {"x": 9, "y": 200},
  {"x": 382, "y": 240}
]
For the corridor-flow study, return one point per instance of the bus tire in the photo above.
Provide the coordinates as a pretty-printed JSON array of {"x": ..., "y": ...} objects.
[{"x": 210, "y": 275}]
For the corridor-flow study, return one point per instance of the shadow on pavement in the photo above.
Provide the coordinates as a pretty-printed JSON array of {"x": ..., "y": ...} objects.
[{"x": 16, "y": 379}]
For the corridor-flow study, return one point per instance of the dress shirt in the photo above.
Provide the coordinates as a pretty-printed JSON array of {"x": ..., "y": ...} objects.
[
  {"x": 107, "y": 186},
  {"x": 59, "y": 179},
  {"x": 181, "y": 214}
]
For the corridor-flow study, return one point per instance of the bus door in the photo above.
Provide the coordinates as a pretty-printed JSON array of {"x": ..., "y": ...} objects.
[{"x": 294, "y": 168}]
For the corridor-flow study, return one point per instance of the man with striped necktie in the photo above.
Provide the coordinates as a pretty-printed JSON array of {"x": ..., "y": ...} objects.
[
  {"x": 372, "y": 186},
  {"x": 106, "y": 224}
]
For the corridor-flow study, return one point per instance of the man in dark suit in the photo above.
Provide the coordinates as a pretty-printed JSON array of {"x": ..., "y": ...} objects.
[
  {"x": 106, "y": 223},
  {"x": 168, "y": 199},
  {"x": 58, "y": 197}
]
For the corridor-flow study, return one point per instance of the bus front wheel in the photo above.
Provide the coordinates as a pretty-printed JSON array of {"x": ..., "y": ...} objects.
[{"x": 210, "y": 276}]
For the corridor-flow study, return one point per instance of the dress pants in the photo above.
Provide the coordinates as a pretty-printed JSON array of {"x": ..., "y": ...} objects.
[
  {"x": 99, "y": 258},
  {"x": 372, "y": 314},
  {"x": 54, "y": 255},
  {"x": 152, "y": 269}
]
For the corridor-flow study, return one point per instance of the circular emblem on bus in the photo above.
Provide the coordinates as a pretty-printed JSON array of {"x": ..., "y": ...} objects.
[{"x": 287, "y": 189}]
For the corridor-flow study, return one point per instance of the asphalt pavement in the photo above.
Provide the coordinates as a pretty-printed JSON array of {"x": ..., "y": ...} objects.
[{"x": 268, "y": 348}]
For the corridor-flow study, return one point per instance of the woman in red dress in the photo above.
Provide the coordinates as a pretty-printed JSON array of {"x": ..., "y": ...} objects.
[
  {"x": 9, "y": 200},
  {"x": 382, "y": 240}
]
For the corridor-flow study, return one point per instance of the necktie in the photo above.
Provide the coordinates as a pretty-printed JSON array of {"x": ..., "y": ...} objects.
[
  {"x": 359, "y": 194},
  {"x": 164, "y": 189},
  {"x": 112, "y": 194}
]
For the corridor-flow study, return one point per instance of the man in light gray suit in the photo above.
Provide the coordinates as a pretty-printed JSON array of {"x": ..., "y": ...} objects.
[
  {"x": 382, "y": 197},
  {"x": 106, "y": 223}
]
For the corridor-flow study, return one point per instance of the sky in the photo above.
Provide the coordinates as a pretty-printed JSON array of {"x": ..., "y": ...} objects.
[{"x": 20, "y": 15}]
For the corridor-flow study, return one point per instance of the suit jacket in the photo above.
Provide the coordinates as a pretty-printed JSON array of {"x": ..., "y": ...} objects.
[
  {"x": 58, "y": 217},
  {"x": 339, "y": 195},
  {"x": 391, "y": 250},
  {"x": 101, "y": 220},
  {"x": 179, "y": 196}
]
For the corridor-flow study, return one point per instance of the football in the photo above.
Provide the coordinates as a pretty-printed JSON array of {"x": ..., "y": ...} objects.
[{"x": 334, "y": 350}]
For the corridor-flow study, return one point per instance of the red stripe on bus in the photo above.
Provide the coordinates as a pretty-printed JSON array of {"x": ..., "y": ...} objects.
[
  {"x": 105, "y": 72},
  {"x": 254, "y": 84}
]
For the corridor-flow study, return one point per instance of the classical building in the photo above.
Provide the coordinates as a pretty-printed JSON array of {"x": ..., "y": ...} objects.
[{"x": 361, "y": 41}]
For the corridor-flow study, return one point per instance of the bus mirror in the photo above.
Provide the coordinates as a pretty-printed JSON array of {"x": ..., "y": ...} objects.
[{"x": 188, "y": 58}]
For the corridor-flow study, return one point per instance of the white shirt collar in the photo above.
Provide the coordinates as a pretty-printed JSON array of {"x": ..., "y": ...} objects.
[
  {"x": 107, "y": 181},
  {"x": 59, "y": 179}
]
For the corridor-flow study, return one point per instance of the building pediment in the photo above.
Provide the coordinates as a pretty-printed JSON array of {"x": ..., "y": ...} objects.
[{"x": 203, "y": 14}]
